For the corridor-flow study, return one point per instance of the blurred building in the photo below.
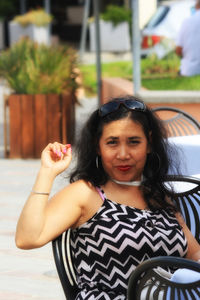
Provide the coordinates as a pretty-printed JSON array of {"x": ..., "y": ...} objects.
[
  {"x": 146, "y": 10},
  {"x": 68, "y": 15}
]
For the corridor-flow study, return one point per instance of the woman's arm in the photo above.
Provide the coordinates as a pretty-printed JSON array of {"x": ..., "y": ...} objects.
[
  {"x": 42, "y": 220},
  {"x": 193, "y": 246}
]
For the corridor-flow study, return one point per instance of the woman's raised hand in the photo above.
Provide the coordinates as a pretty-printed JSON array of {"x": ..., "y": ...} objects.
[{"x": 56, "y": 157}]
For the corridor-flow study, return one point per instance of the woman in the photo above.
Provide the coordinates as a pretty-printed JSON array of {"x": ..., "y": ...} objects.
[{"x": 115, "y": 204}]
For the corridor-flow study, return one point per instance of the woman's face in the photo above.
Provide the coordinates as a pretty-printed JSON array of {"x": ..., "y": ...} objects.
[{"x": 123, "y": 148}]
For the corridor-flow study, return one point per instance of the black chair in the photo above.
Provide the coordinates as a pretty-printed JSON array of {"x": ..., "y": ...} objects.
[
  {"x": 148, "y": 283},
  {"x": 188, "y": 200},
  {"x": 178, "y": 122},
  {"x": 64, "y": 264}
]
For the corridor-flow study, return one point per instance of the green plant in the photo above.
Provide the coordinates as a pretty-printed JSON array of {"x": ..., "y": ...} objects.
[
  {"x": 114, "y": 69},
  {"x": 172, "y": 83},
  {"x": 37, "y": 17},
  {"x": 155, "y": 67},
  {"x": 30, "y": 68},
  {"x": 157, "y": 74},
  {"x": 116, "y": 14}
]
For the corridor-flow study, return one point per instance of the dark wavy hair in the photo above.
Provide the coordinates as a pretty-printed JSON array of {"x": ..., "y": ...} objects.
[{"x": 157, "y": 163}]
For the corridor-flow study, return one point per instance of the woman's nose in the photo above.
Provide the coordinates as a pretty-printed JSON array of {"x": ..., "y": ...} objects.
[{"x": 123, "y": 153}]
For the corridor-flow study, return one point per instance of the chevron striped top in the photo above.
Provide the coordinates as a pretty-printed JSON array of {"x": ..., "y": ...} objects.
[{"x": 108, "y": 247}]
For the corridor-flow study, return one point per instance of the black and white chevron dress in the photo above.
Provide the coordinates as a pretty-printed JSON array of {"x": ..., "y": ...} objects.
[{"x": 109, "y": 246}]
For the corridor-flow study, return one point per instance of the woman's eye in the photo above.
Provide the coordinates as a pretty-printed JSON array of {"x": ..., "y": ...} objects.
[
  {"x": 134, "y": 142},
  {"x": 111, "y": 142}
]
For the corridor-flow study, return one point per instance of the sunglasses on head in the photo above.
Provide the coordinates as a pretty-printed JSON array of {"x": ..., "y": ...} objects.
[{"x": 114, "y": 105}]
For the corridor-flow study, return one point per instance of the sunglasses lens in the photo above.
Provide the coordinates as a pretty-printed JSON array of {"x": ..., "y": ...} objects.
[
  {"x": 108, "y": 108},
  {"x": 114, "y": 105},
  {"x": 135, "y": 105}
]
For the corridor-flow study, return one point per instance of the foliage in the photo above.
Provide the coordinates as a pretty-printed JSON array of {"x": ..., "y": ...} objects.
[
  {"x": 30, "y": 68},
  {"x": 116, "y": 14},
  {"x": 156, "y": 74},
  {"x": 153, "y": 66},
  {"x": 88, "y": 78},
  {"x": 37, "y": 17},
  {"x": 173, "y": 83},
  {"x": 114, "y": 69}
]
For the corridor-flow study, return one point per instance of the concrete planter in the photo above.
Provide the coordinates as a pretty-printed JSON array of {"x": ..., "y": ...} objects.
[
  {"x": 41, "y": 34},
  {"x": 112, "y": 38}
]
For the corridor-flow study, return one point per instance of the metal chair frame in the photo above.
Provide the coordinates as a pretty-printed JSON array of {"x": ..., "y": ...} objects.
[
  {"x": 188, "y": 202},
  {"x": 147, "y": 283},
  {"x": 181, "y": 124},
  {"x": 64, "y": 264}
]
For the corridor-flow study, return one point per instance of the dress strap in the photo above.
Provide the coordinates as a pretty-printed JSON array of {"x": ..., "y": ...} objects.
[{"x": 101, "y": 193}]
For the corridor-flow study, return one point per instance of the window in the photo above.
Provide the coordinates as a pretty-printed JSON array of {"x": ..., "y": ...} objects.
[{"x": 159, "y": 15}]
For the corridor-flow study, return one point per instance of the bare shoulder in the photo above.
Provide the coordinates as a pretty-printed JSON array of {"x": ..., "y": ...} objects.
[{"x": 79, "y": 187}]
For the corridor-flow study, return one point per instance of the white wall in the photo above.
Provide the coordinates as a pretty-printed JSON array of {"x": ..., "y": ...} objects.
[{"x": 146, "y": 10}]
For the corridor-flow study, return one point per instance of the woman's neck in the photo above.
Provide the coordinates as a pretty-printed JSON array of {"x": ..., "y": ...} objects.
[{"x": 128, "y": 183}]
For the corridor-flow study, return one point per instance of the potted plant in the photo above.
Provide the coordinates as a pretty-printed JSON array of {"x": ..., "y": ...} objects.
[
  {"x": 114, "y": 29},
  {"x": 33, "y": 24},
  {"x": 43, "y": 87}
]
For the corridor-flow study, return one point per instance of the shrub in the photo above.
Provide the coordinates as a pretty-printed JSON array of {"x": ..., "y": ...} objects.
[
  {"x": 37, "y": 17},
  {"x": 116, "y": 14},
  {"x": 31, "y": 68},
  {"x": 160, "y": 67}
]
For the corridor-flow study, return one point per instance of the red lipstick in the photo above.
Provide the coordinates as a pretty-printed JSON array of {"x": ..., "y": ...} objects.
[{"x": 123, "y": 168}]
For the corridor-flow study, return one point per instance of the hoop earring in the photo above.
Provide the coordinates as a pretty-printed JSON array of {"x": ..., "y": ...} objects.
[{"x": 97, "y": 161}]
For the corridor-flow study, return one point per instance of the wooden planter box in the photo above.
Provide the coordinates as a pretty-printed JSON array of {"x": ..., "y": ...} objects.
[{"x": 33, "y": 121}]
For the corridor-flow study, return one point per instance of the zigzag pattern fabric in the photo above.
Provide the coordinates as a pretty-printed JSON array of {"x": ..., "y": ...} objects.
[{"x": 108, "y": 247}]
